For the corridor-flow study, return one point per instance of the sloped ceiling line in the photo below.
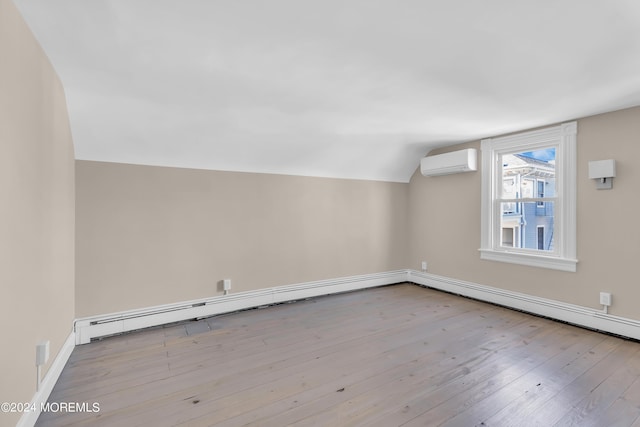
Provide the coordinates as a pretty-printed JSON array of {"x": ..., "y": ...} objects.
[{"x": 350, "y": 89}]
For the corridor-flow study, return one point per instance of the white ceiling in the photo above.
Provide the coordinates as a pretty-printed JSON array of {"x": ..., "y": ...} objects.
[{"x": 352, "y": 89}]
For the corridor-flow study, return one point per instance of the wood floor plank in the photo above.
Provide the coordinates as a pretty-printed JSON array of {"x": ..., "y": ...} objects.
[
  {"x": 367, "y": 378},
  {"x": 592, "y": 409},
  {"x": 556, "y": 407},
  {"x": 441, "y": 400},
  {"x": 626, "y": 407},
  {"x": 403, "y": 356},
  {"x": 629, "y": 403},
  {"x": 389, "y": 356},
  {"x": 528, "y": 405},
  {"x": 431, "y": 351},
  {"x": 478, "y": 403}
]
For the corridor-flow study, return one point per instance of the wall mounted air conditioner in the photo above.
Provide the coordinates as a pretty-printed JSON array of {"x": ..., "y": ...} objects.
[{"x": 454, "y": 162}]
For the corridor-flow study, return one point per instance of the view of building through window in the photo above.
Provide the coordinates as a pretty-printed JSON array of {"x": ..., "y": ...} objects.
[{"x": 527, "y": 199}]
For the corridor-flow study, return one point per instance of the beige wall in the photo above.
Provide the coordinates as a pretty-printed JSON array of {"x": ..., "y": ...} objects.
[
  {"x": 152, "y": 235},
  {"x": 445, "y": 224},
  {"x": 36, "y": 210}
]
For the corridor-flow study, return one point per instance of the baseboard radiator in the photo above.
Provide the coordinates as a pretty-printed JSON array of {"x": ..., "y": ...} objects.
[
  {"x": 89, "y": 328},
  {"x": 574, "y": 314}
]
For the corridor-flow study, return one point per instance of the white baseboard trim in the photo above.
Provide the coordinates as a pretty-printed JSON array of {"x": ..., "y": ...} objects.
[
  {"x": 29, "y": 419},
  {"x": 570, "y": 313},
  {"x": 115, "y": 323},
  {"x": 125, "y": 321}
]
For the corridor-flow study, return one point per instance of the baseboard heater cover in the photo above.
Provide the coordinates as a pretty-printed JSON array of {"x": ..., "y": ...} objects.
[
  {"x": 565, "y": 312},
  {"x": 115, "y": 323}
]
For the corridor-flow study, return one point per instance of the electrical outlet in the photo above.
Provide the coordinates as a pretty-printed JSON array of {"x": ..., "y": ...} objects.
[
  {"x": 226, "y": 284},
  {"x": 605, "y": 298},
  {"x": 424, "y": 265},
  {"x": 42, "y": 353}
]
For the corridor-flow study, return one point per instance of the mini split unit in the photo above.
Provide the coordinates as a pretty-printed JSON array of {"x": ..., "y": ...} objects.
[{"x": 447, "y": 163}]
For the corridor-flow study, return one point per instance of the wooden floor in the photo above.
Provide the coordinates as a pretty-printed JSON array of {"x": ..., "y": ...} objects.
[{"x": 394, "y": 356}]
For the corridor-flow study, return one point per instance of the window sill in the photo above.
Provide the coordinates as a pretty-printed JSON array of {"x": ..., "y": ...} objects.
[{"x": 554, "y": 263}]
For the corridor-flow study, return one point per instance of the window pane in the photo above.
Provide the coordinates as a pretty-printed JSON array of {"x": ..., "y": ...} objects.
[
  {"x": 529, "y": 174},
  {"x": 527, "y": 225}
]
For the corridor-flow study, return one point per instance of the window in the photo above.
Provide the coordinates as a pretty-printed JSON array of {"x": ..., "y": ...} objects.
[
  {"x": 541, "y": 246},
  {"x": 509, "y": 188},
  {"x": 541, "y": 192},
  {"x": 529, "y": 198}
]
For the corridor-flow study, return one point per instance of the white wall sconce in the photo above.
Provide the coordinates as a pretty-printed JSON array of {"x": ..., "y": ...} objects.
[{"x": 603, "y": 171}]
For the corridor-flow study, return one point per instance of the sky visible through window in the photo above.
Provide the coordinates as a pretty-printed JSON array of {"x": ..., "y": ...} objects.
[{"x": 545, "y": 155}]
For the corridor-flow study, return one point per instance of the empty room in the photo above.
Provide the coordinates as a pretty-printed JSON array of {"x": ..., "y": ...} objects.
[{"x": 306, "y": 213}]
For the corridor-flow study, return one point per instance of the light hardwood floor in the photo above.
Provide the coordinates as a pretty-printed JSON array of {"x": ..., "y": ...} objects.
[{"x": 399, "y": 355}]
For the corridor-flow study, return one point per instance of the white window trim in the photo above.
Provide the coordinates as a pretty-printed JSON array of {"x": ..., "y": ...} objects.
[{"x": 564, "y": 137}]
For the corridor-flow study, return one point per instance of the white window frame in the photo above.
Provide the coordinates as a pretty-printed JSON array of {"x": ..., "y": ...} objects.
[{"x": 563, "y": 137}]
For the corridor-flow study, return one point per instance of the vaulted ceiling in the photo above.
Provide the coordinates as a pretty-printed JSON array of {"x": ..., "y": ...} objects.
[{"x": 338, "y": 88}]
